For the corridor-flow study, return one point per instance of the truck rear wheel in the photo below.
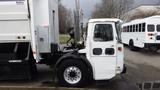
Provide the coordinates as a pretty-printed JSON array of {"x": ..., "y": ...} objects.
[{"x": 72, "y": 73}]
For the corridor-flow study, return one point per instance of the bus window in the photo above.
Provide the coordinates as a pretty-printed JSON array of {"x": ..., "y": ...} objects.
[
  {"x": 151, "y": 28},
  {"x": 158, "y": 28},
  {"x": 134, "y": 28},
  {"x": 139, "y": 29},
  {"x": 143, "y": 27},
  {"x": 131, "y": 28},
  {"x": 124, "y": 29},
  {"x": 127, "y": 28}
]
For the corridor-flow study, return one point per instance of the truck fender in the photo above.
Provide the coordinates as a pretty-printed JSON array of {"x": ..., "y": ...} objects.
[{"x": 76, "y": 57}]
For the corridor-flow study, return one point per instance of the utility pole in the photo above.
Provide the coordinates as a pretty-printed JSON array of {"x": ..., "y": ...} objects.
[{"x": 77, "y": 21}]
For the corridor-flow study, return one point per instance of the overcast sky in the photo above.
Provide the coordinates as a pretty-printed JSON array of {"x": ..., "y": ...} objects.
[{"x": 88, "y": 5}]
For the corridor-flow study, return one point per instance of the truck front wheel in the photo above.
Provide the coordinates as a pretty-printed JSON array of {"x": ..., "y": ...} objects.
[{"x": 72, "y": 73}]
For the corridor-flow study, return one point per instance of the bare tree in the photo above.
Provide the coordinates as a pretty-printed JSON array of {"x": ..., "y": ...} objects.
[
  {"x": 65, "y": 19},
  {"x": 158, "y": 3},
  {"x": 111, "y": 8},
  {"x": 142, "y": 13}
]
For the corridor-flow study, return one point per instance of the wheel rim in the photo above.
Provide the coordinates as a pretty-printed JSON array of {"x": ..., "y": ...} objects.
[{"x": 72, "y": 75}]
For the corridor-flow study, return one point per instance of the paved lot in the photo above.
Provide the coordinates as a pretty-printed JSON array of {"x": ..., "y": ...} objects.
[
  {"x": 143, "y": 67},
  {"x": 143, "y": 72}
]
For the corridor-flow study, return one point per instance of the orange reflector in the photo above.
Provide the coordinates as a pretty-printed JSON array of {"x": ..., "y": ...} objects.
[{"x": 120, "y": 49}]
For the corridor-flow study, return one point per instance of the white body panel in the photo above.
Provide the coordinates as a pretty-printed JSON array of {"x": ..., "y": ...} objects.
[
  {"x": 14, "y": 23},
  {"x": 30, "y": 21},
  {"x": 141, "y": 38},
  {"x": 43, "y": 35},
  {"x": 11, "y": 33},
  {"x": 104, "y": 66},
  {"x": 45, "y": 15}
]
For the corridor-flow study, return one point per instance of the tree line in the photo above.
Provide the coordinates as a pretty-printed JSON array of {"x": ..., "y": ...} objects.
[
  {"x": 105, "y": 9},
  {"x": 120, "y": 9},
  {"x": 111, "y": 8},
  {"x": 65, "y": 19}
]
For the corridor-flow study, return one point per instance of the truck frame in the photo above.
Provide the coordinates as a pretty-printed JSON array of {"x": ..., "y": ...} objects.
[{"x": 29, "y": 35}]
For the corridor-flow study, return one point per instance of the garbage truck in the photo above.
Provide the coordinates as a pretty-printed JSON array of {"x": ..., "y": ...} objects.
[{"x": 29, "y": 35}]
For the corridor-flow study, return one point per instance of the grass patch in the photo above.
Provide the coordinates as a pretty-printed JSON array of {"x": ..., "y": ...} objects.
[{"x": 64, "y": 38}]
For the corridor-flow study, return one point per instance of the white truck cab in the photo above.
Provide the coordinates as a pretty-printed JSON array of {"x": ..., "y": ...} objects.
[
  {"x": 101, "y": 59},
  {"x": 103, "y": 50}
]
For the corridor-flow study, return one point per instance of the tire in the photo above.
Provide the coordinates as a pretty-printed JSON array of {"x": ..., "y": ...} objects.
[
  {"x": 132, "y": 47},
  {"x": 73, "y": 73}
]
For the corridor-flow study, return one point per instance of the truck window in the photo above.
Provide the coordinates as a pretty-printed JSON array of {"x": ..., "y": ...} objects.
[
  {"x": 151, "y": 28},
  {"x": 118, "y": 30},
  {"x": 134, "y": 27},
  {"x": 103, "y": 32}
]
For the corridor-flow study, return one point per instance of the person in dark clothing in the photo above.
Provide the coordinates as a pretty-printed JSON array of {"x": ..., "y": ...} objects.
[{"x": 71, "y": 34}]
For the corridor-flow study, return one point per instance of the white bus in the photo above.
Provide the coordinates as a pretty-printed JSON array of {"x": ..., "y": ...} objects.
[{"x": 142, "y": 33}]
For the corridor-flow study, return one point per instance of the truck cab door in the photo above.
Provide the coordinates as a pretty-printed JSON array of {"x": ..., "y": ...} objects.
[{"x": 103, "y": 50}]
